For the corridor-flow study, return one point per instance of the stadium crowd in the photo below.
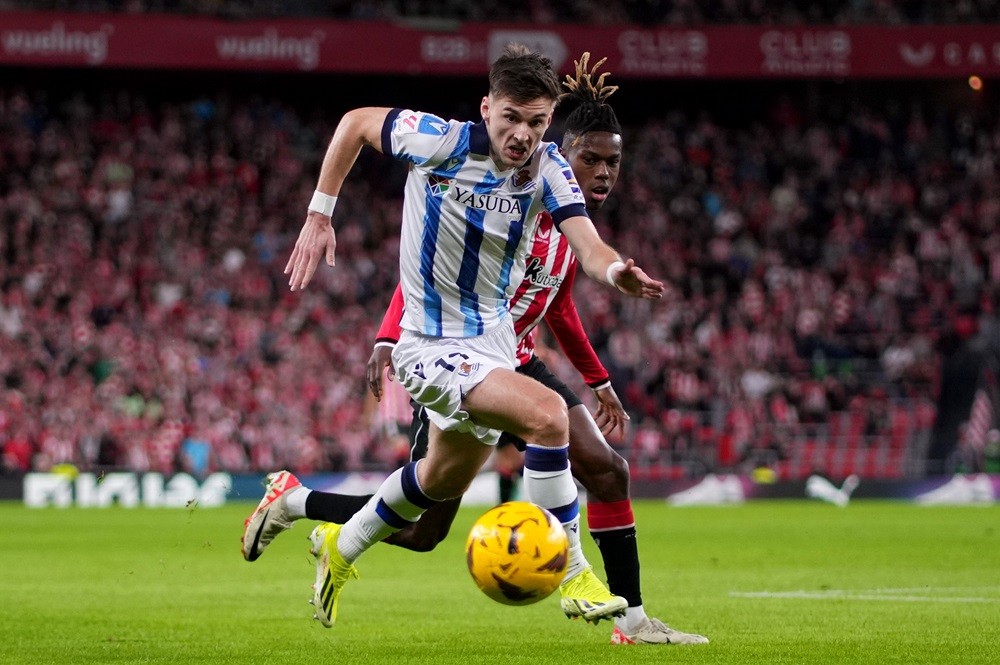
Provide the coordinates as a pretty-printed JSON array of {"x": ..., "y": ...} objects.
[
  {"x": 645, "y": 12},
  {"x": 820, "y": 259}
]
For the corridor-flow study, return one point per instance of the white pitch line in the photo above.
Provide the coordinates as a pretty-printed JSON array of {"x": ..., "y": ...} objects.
[
  {"x": 934, "y": 589},
  {"x": 838, "y": 594}
]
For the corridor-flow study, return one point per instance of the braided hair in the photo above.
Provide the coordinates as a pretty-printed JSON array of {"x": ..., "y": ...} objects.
[{"x": 593, "y": 114}]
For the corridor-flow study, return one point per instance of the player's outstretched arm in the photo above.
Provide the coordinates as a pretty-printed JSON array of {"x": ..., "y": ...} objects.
[
  {"x": 564, "y": 321},
  {"x": 317, "y": 240},
  {"x": 602, "y": 262},
  {"x": 629, "y": 278}
]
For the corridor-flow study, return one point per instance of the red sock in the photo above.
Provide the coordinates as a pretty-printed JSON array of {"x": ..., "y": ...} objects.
[
  {"x": 612, "y": 526},
  {"x": 607, "y": 516}
]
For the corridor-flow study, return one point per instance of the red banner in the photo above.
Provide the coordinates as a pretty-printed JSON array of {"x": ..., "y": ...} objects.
[{"x": 173, "y": 42}]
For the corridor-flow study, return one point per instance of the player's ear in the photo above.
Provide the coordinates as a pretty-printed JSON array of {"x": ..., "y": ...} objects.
[
  {"x": 484, "y": 107},
  {"x": 566, "y": 145}
]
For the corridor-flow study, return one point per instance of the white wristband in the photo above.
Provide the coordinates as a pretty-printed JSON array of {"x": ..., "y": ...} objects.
[
  {"x": 613, "y": 270},
  {"x": 323, "y": 203}
]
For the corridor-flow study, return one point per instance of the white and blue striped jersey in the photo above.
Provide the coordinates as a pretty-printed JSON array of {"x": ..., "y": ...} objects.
[{"x": 467, "y": 225}]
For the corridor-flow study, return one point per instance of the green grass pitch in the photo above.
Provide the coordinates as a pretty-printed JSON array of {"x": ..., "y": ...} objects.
[{"x": 768, "y": 582}]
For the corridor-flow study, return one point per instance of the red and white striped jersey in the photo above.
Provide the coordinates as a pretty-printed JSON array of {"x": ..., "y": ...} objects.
[
  {"x": 545, "y": 292},
  {"x": 394, "y": 407},
  {"x": 980, "y": 421},
  {"x": 548, "y": 266},
  {"x": 684, "y": 387}
]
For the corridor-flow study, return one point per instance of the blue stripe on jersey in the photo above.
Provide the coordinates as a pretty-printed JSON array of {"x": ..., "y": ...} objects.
[
  {"x": 433, "y": 125},
  {"x": 549, "y": 199},
  {"x": 514, "y": 235},
  {"x": 553, "y": 151},
  {"x": 468, "y": 273},
  {"x": 433, "y": 320},
  {"x": 387, "y": 132},
  {"x": 567, "y": 211},
  {"x": 460, "y": 153},
  {"x": 428, "y": 248}
]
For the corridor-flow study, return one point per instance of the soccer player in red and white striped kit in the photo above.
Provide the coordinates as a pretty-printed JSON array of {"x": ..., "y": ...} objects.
[{"x": 592, "y": 145}]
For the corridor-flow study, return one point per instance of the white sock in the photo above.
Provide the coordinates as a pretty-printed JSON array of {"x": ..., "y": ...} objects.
[
  {"x": 577, "y": 560},
  {"x": 295, "y": 502},
  {"x": 364, "y": 529},
  {"x": 549, "y": 483},
  {"x": 634, "y": 616},
  {"x": 398, "y": 502}
]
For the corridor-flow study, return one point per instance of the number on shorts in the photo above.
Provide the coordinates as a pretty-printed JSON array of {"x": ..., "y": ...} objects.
[{"x": 441, "y": 362}]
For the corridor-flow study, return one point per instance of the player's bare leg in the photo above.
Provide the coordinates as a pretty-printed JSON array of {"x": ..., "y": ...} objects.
[{"x": 426, "y": 533}]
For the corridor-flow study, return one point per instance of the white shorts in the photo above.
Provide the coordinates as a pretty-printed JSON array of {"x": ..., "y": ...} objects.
[{"x": 439, "y": 371}]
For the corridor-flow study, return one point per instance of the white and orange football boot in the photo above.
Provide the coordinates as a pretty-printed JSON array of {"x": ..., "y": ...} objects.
[
  {"x": 271, "y": 515},
  {"x": 654, "y": 631}
]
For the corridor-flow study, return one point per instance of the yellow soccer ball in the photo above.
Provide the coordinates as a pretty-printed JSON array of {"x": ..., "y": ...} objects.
[{"x": 517, "y": 553}]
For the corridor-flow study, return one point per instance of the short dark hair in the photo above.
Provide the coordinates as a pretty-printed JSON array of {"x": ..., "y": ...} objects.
[
  {"x": 593, "y": 114},
  {"x": 523, "y": 75}
]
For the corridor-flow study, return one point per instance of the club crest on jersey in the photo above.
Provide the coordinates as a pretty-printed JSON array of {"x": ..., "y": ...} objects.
[
  {"x": 466, "y": 369},
  {"x": 488, "y": 202},
  {"x": 522, "y": 179},
  {"x": 439, "y": 185}
]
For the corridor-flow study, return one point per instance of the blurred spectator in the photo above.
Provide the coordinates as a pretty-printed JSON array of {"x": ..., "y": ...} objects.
[{"x": 813, "y": 259}]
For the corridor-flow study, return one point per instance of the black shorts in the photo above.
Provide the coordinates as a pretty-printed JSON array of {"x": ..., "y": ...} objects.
[{"x": 534, "y": 368}]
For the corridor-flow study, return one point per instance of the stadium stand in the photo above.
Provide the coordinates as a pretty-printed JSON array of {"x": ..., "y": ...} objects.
[
  {"x": 645, "y": 12},
  {"x": 141, "y": 286},
  {"x": 832, "y": 252}
]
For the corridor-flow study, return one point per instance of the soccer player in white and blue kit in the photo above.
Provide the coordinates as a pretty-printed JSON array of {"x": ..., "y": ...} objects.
[{"x": 472, "y": 198}]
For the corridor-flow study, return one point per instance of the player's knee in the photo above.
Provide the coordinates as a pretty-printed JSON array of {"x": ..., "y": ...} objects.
[
  {"x": 608, "y": 483},
  {"x": 620, "y": 471},
  {"x": 548, "y": 424}
]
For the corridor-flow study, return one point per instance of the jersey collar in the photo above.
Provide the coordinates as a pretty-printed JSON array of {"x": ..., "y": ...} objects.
[{"x": 479, "y": 140}]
